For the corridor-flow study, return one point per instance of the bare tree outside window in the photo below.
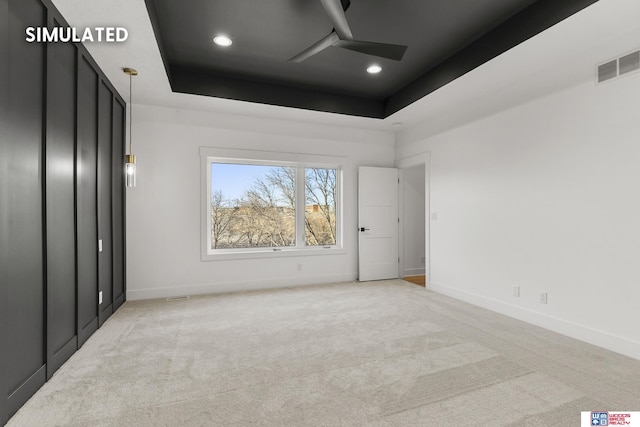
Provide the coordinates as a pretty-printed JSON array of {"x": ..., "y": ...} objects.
[
  {"x": 223, "y": 216},
  {"x": 320, "y": 212},
  {"x": 268, "y": 210}
]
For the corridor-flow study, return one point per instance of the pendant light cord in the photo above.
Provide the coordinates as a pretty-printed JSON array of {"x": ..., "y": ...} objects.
[{"x": 130, "y": 116}]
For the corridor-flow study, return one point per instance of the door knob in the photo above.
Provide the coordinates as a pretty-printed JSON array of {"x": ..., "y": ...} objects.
[{"x": 362, "y": 229}]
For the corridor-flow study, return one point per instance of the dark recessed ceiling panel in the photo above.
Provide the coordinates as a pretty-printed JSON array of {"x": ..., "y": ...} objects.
[{"x": 445, "y": 39}]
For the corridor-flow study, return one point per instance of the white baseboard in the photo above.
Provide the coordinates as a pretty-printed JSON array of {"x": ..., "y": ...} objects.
[
  {"x": 580, "y": 332},
  {"x": 413, "y": 272},
  {"x": 215, "y": 288}
]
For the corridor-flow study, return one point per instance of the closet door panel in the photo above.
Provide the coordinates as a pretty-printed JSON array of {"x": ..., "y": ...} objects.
[
  {"x": 60, "y": 199},
  {"x": 4, "y": 202},
  {"x": 23, "y": 264},
  {"x": 118, "y": 205},
  {"x": 86, "y": 199},
  {"x": 105, "y": 130}
]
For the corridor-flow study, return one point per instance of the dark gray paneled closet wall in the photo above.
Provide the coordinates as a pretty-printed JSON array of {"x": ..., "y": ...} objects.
[
  {"x": 61, "y": 191},
  {"x": 4, "y": 197}
]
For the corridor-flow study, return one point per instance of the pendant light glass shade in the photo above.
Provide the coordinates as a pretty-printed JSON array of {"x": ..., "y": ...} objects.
[
  {"x": 130, "y": 159},
  {"x": 130, "y": 170}
]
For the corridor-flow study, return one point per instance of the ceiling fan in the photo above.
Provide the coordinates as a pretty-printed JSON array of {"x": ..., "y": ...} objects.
[{"x": 341, "y": 36}]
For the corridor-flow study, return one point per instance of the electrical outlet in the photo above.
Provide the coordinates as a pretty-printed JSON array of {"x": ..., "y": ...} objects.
[
  {"x": 99, "y": 297},
  {"x": 434, "y": 216},
  {"x": 543, "y": 297},
  {"x": 516, "y": 291}
]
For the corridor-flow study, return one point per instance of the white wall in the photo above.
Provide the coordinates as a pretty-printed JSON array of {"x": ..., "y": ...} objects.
[
  {"x": 545, "y": 196},
  {"x": 413, "y": 213},
  {"x": 163, "y": 211}
]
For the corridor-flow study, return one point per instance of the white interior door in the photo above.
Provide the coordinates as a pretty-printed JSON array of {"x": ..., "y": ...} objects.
[{"x": 377, "y": 223}]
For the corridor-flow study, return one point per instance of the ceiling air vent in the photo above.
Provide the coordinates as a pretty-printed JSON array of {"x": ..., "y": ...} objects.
[
  {"x": 623, "y": 65},
  {"x": 629, "y": 63},
  {"x": 608, "y": 71}
]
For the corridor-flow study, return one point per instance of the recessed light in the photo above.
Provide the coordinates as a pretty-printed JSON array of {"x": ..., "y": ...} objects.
[
  {"x": 223, "y": 41},
  {"x": 374, "y": 69}
]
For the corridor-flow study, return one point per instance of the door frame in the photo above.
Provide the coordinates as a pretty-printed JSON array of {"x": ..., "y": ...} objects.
[{"x": 407, "y": 163}]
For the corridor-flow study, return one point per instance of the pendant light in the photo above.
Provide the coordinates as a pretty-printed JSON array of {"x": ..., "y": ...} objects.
[{"x": 130, "y": 159}]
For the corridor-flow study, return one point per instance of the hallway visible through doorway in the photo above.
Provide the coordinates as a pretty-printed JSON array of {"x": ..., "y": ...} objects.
[
  {"x": 414, "y": 200},
  {"x": 420, "y": 280}
]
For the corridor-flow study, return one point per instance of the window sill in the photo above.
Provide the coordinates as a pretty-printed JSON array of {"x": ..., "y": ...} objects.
[{"x": 229, "y": 255}]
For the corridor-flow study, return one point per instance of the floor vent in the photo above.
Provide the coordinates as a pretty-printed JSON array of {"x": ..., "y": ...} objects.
[
  {"x": 178, "y": 298},
  {"x": 619, "y": 66}
]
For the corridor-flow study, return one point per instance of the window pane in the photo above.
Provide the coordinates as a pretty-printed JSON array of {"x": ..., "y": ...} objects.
[
  {"x": 252, "y": 206},
  {"x": 320, "y": 206}
]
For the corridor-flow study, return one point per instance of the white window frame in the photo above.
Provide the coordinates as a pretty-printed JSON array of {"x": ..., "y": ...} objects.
[{"x": 210, "y": 155}]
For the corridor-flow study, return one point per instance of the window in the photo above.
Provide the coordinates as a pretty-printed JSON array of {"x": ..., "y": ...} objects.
[
  {"x": 320, "y": 210},
  {"x": 252, "y": 206},
  {"x": 258, "y": 207}
]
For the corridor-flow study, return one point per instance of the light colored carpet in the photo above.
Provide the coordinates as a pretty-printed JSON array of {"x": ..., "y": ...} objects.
[{"x": 354, "y": 354}]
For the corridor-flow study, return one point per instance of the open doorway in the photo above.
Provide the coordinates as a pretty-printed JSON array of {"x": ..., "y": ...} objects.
[{"x": 414, "y": 258}]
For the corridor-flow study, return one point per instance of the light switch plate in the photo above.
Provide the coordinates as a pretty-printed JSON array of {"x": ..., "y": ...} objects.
[{"x": 100, "y": 245}]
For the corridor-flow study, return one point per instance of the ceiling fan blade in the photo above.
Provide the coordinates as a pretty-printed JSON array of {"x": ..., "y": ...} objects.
[
  {"x": 336, "y": 14},
  {"x": 317, "y": 47},
  {"x": 383, "y": 50}
]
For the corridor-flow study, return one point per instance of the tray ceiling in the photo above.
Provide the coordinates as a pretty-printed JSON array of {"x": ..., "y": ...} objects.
[{"x": 445, "y": 40}]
